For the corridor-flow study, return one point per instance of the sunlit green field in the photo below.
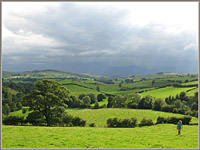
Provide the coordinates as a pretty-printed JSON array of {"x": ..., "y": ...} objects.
[
  {"x": 158, "y": 136},
  {"x": 100, "y": 116},
  {"x": 166, "y": 92},
  {"x": 192, "y": 92}
]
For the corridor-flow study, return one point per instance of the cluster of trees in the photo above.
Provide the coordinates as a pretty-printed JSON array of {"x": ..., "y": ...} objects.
[
  {"x": 36, "y": 119},
  {"x": 12, "y": 94},
  {"x": 85, "y": 101},
  {"x": 47, "y": 104},
  {"x": 182, "y": 103},
  {"x": 10, "y": 102}
]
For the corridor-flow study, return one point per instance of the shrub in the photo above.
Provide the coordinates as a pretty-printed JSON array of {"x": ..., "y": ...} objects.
[
  {"x": 112, "y": 122},
  {"x": 13, "y": 120},
  {"x": 96, "y": 106},
  {"x": 67, "y": 120},
  {"x": 92, "y": 125},
  {"x": 160, "y": 120},
  {"x": 186, "y": 119},
  {"x": 35, "y": 118},
  {"x": 174, "y": 120},
  {"x": 146, "y": 122},
  {"x": 78, "y": 122},
  {"x": 125, "y": 123},
  {"x": 133, "y": 105},
  {"x": 167, "y": 108}
]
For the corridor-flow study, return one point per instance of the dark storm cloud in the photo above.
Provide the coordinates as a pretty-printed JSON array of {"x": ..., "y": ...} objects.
[{"x": 91, "y": 40}]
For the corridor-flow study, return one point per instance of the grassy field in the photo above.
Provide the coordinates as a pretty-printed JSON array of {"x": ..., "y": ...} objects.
[
  {"x": 166, "y": 92},
  {"x": 192, "y": 92},
  {"x": 158, "y": 136},
  {"x": 190, "y": 83},
  {"x": 100, "y": 116}
]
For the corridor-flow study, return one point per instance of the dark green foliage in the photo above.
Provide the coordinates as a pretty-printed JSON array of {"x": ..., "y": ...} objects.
[
  {"x": 96, "y": 106},
  {"x": 133, "y": 100},
  {"x": 13, "y": 120},
  {"x": 5, "y": 109},
  {"x": 78, "y": 122},
  {"x": 13, "y": 107},
  {"x": 146, "y": 122},
  {"x": 194, "y": 106},
  {"x": 73, "y": 102},
  {"x": 19, "y": 105},
  {"x": 124, "y": 123},
  {"x": 100, "y": 97},
  {"x": 98, "y": 89},
  {"x": 35, "y": 118},
  {"x": 21, "y": 86},
  {"x": 92, "y": 125},
  {"x": 110, "y": 100},
  {"x": 168, "y": 108},
  {"x": 153, "y": 82},
  {"x": 174, "y": 120},
  {"x": 67, "y": 120},
  {"x": 93, "y": 98},
  {"x": 24, "y": 110},
  {"x": 120, "y": 85},
  {"x": 158, "y": 104},
  {"x": 81, "y": 96},
  {"x": 132, "y": 105},
  {"x": 183, "y": 96},
  {"x": 160, "y": 120},
  {"x": 48, "y": 99},
  {"x": 119, "y": 102},
  {"x": 146, "y": 102},
  {"x": 86, "y": 102}
]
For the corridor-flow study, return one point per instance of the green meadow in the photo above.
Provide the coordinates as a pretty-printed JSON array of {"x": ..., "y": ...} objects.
[
  {"x": 158, "y": 136},
  {"x": 100, "y": 116},
  {"x": 166, "y": 92}
]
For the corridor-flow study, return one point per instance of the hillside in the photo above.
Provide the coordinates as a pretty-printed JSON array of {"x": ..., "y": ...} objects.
[{"x": 44, "y": 74}]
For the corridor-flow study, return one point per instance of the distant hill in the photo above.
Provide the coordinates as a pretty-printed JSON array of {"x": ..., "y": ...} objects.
[
  {"x": 48, "y": 73},
  {"x": 58, "y": 74}
]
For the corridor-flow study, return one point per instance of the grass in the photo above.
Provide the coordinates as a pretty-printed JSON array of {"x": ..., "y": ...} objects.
[
  {"x": 100, "y": 116},
  {"x": 190, "y": 83},
  {"x": 192, "y": 92},
  {"x": 166, "y": 92},
  {"x": 158, "y": 136}
]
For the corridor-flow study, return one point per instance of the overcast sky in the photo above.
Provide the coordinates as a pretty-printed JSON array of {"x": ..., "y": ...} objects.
[{"x": 106, "y": 38}]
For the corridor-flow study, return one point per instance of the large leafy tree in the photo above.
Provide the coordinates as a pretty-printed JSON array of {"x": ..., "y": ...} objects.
[{"x": 49, "y": 100}]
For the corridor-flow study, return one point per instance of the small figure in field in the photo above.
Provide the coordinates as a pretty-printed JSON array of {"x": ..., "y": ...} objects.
[{"x": 179, "y": 127}]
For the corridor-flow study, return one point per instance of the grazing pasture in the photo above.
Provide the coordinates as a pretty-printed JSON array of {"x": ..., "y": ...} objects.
[
  {"x": 166, "y": 92},
  {"x": 100, "y": 116},
  {"x": 158, "y": 136}
]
